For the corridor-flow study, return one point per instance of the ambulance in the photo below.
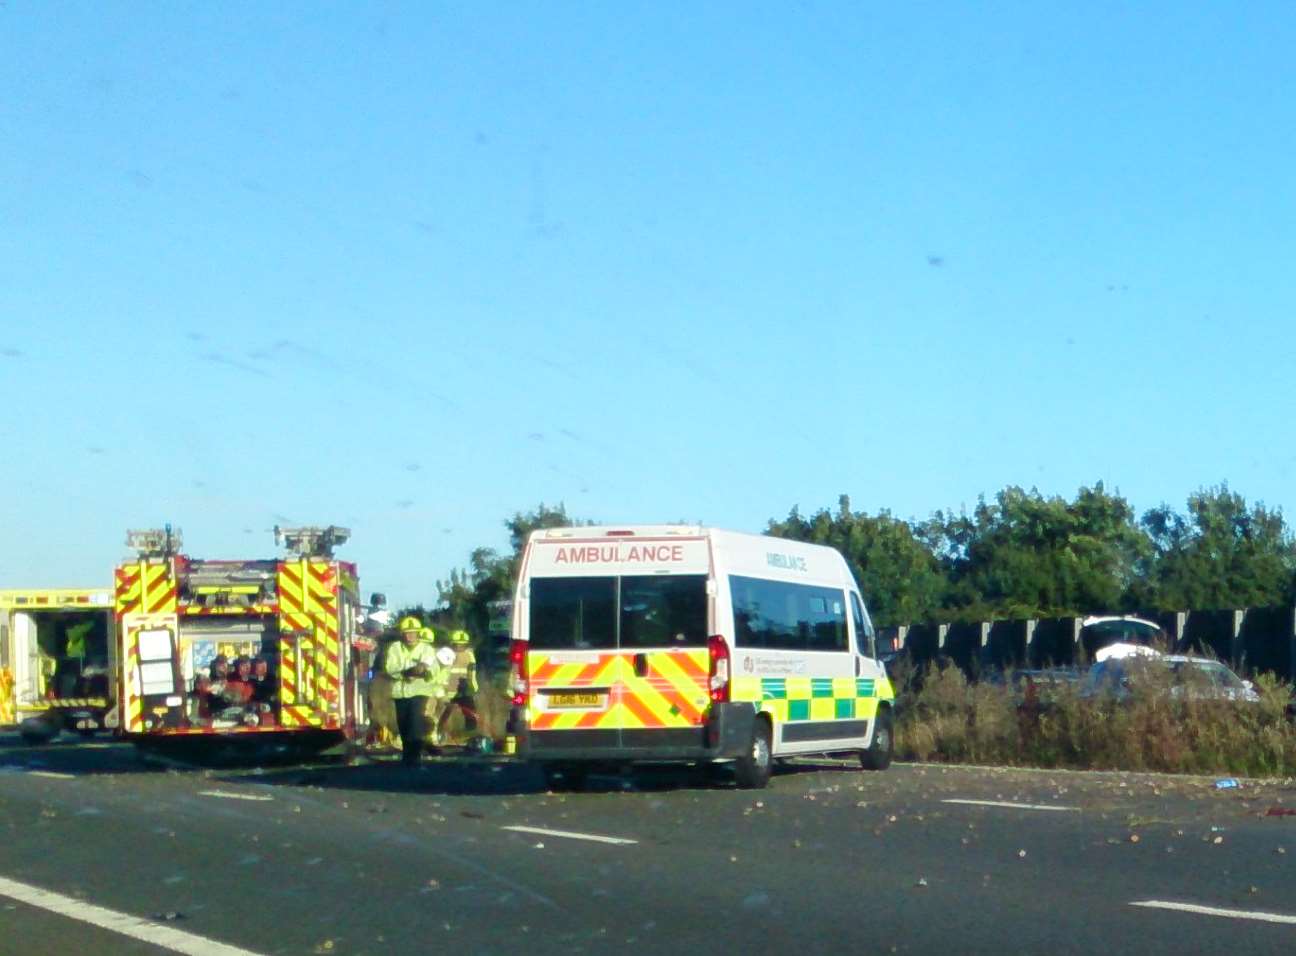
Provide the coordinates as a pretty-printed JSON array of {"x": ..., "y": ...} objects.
[{"x": 666, "y": 643}]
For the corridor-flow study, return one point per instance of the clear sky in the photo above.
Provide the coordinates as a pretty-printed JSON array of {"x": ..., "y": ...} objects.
[{"x": 411, "y": 268}]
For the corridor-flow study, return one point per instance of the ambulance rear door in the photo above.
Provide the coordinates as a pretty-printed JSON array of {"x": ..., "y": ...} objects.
[{"x": 617, "y": 652}]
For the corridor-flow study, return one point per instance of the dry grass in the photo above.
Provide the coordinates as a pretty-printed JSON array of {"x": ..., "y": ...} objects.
[{"x": 1156, "y": 728}]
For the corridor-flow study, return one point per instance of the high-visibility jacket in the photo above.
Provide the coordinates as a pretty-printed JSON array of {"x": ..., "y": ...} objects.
[
  {"x": 464, "y": 668},
  {"x": 399, "y": 658},
  {"x": 76, "y": 639}
]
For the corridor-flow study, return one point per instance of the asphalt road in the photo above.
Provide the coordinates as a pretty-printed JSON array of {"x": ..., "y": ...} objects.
[{"x": 375, "y": 858}]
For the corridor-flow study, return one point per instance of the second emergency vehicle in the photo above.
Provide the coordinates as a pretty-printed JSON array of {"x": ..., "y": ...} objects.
[
  {"x": 670, "y": 643},
  {"x": 251, "y": 653},
  {"x": 57, "y": 659}
]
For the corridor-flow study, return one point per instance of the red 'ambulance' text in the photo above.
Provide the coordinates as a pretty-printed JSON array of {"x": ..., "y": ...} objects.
[{"x": 615, "y": 554}]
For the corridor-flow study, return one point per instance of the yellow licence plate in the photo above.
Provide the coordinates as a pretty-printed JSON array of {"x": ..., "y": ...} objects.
[{"x": 575, "y": 699}]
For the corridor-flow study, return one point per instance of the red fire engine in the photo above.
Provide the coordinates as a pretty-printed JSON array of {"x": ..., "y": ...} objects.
[{"x": 245, "y": 652}]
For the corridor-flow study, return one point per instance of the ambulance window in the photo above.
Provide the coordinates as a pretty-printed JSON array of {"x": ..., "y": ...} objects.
[
  {"x": 573, "y": 613},
  {"x": 664, "y": 611},
  {"x": 864, "y": 639},
  {"x": 827, "y": 621},
  {"x": 777, "y": 615}
]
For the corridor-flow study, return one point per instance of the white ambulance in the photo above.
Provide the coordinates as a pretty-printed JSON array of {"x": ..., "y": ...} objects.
[{"x": 691, "y": 644}]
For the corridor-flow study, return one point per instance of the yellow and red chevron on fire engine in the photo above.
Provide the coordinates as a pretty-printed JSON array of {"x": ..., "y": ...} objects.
[
  {"x": 652, "y": 643},
  {"x": 238, "y": 647}
]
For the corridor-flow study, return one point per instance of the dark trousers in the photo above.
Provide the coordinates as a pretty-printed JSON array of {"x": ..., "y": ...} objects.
[{"x": 412, "y": 725}]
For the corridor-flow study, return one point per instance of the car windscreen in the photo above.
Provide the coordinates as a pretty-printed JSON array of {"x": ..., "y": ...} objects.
[{"x": 604, "y": 613}]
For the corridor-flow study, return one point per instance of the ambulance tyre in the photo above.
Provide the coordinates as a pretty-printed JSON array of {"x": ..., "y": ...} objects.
[
  {"x": 752, "y": 769},
  {"x": 878, "y": 754}
]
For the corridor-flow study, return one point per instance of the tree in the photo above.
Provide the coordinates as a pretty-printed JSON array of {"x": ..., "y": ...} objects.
[
  {"x": 467, "y": 594},
  {"x": 1024, "y": 555},
  {"x": 898, "y": 575},
  {"x": 1222, "y": 554}
]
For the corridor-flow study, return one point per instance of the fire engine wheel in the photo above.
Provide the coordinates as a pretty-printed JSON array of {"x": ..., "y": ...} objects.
[
  {"x": 878, "y": 755},
  {"x": 564, "y": 776},
  {"x": 752, "y": 769}
]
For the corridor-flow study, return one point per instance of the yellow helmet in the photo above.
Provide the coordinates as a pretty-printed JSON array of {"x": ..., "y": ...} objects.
[
  {"x": 460, "y": 637},
  {"x": 409, "y": 623},
  {"x": 427, "y": 634}
]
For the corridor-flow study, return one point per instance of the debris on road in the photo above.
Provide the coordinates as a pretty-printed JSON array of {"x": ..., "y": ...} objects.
[{"x": 1227, "y": 783}]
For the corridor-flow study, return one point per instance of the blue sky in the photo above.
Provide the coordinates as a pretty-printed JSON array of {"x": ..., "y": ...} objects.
[{"x": 412, "y": 268}]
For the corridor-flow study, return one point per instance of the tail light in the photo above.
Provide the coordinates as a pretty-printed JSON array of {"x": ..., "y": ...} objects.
[
  {"x": 519, "y": 679},
  {"x": 718, "y": 670}
]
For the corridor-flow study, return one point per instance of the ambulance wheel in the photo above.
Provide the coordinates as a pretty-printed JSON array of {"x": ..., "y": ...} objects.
[
  {"x": 878, "y": 755},
  {"x": 564, "y": 776},
  {"x": 752, "y": 769}
]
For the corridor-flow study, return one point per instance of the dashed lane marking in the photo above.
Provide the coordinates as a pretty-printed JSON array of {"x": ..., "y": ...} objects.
[
  {"x": 568, "y": 835},
  {"x": 124, "y": 924},
  {"x": 1216, "y": 911},
  {"x": 52, "y": 774},
  {"x": 1011, "y": 806},
  {"x": 232, "y": 796}
]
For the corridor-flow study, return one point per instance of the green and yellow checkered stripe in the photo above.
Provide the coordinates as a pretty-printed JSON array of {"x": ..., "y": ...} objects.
[{"x": 791, "y": 699}]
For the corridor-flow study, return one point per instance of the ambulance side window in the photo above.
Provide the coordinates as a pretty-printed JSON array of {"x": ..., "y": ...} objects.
[
  {"x": 865, "y": 642},
  {"x": 777, "y": 615}
]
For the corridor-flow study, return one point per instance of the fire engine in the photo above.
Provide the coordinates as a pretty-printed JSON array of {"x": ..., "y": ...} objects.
[
  {"x": 57, "y": 660},
  {"x": 250, "y": 653}
]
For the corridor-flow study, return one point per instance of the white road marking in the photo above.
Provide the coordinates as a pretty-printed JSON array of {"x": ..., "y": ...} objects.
[
  {"x": 52, "y": 774},
  {"x": 132, "y": 926},
  {"x": 1011, "y": 806},
  {"x": 231, "y": 796},
  {"x": 572, "y": 836},
  {"x": 1216, "y": 911}
]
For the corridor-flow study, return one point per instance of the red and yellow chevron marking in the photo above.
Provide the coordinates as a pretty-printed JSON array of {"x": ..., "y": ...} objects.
[
  {"x": 299, "y": 715},
  {"x": 671, "y": 694},
  {"x": 309, "y": 620},
  {"x": 145, "y": 588},
  {"x": 289, "y": 649},
  {"x": 134, "y": 716}
]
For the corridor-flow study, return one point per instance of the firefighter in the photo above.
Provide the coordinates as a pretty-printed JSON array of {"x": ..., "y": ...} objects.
[
  {"x": 383, "y": 726},
  {"x": 462, "y": 684},
  {"x": 416, "y": 676}
]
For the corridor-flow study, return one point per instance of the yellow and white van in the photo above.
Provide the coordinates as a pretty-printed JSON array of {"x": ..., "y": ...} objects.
[{"x": 671, "y": 643}]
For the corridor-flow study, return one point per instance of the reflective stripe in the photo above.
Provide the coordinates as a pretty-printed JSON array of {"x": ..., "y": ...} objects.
[
  {"x": 670, "y": 693},
  {"x": 792, "y": 699}
]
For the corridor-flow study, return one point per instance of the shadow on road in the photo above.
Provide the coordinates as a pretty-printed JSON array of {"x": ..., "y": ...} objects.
[
  {"x": 452, "y": 775},
  {"x": 94, "y": 756},
  {"x": 467, "y": 776}
]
